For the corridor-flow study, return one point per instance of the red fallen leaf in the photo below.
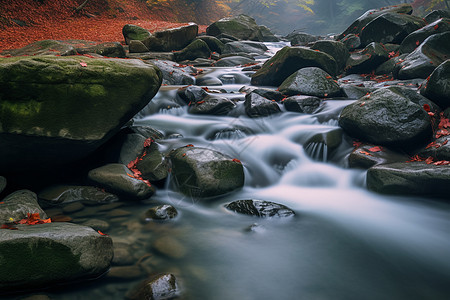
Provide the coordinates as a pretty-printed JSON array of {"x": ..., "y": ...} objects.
[
  {"x": 101, "y": 233},
  {"x": 325, "y": 95},
  {"x": 376, "y": 149},
  {"x": 365, "y": 153},
  {"x": 83, "y": 64},
  {"x": 442, "y": 132},
  {"x": 441, "y": 163},
  {"x": 328, "y": 77},
  {"x": 184, "y": 154},
  {"x": 2, "y": 202},
  {"x": 8, "y": 226},
  {"x": 417, "y": 43},
  {"x": 200, "y": 102},
  {"x": 444, "y": 143},
  {"x": 236, "y": 160},
  {"x": 416, "y": 158},
  {"x": 435, "y": 27},
  {"x": 362, "y": 104},
  {"x": 34, "y": 219},
  {"x": 426, "y": 107},
  {"x": 444, "y": 122},
  {"x": 148, "y": 142},
  {"x": 429, "y": 160},
  {"x": 357, "y": 144},
  {"x": 189, "y": 145}
]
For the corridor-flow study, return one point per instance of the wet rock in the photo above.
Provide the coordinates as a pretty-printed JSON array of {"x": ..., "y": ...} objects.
[
  {"x": 302, "y": 104},
  {"x": 123, "y": 255},
  {"x": 267, "y": 93},
  {"x": 133, "y": 32},
  {"x": 255, "y": 227},
  {"x": 199, "y": 62},
  {"x": 413, "y": 178},
  {"x": 421, "y": 62},
  {"x": 152, "y": 165},
  {"x": 260, "y": 208},
  {"x": 108, "y": 49},
  {"x": 211, "y": 105},
  {"x": 368, "y": 59},
  {"x": 119, "y": 179},
  {"x": 213, "y": 43},
  {"x": 161, "y": 212},
  {"x": 175, "y": 74},
  {"x": 357, "y": 26},
  {"x": 196, "y": 49},
  {"x": 172, "y": 39},
  {"x": 352, "y": 91},
  {"x": 245, "y": 47},
  {"x": 137, "y": 47},
  {"x": 388, "y": 66},
  {"x": 208, "y": 81},
  {"x": 386, "y": 117},
  {"x": 63, "y": 194},
  {"x": 232, "y": 61},
  {"x": 234, "y": 78},
  {"x": 169, "y": 247},
  {"x": 3, "y": 183},
  {"x": 16, "y": 206},
  {"x": 310, "y": 81},
  {"x": 290, "y": 59},
  {"x": 125, "y": 273},
  {"x": 439, "y": 149},
  {"x": 322, "y": 146},
  {"x": 49, "y": 87},
  {"x": 267, "y": 35},
  {"x": 118, "y": 213},
  {"x": 97, "y": 224},
  {"x": 159, "y": 287},
  {"x": 45, "y": 47},
  {"x": 201, "y": 172},
  {"x": 152, "y": 55},
  {"x": 189, "y": 94},
  {"x": 436, "y": 15},
  {"x": 414, "y": 39},
  {"x": 351, "y": 41},
  {"x": 258, "y": 106},
  {"x": 242, "y": 27},
  {"x": 130, "y": 147},
  {"x": 437, "y": 87},
  {"x": 367, "y": 156},
  {"x": 336, "y": 49},
  {"x": 50, "y": 254},
  {"x": 299, "y": 38},
  {"x": 390, "y": 27}
]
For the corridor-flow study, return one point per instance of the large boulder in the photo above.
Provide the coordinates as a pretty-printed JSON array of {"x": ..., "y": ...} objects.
[
  {"x": 414, "y": 39},
  {"x": 245, "y": 47},
  {"x": 299, "y": 38},
  {"x": 213, "y": 43},
  {"x": 390, "y": 28},
  {"x": 290, "y": 59},
  {"x": 310, "y": 81},
  {"x": 56, "y": 110},
  {"x": 424, "y": 59},
  {"x": 336, "y": 49},
  {"x": 18, "y": 205},
  {"x": 172, "y": 39},
  {"x": 197, "y": 49},
  {"x": 357, "y": 26},
  {"x": 36, "y": 256},
  {"x": 133, "y": 32},
  {"x": 201, "y": 172},
  {"x": 437, "y": 86},
  {"x": 174, "y": 73},
  {"x": 242, "y": 27},
  {"x": 412, "y": 178},
  {"x": 436, "y": 15},
  {"x": 259, "y": 106},
  {"x": 368, "y": 59},
  {"x": 387, "y": 117},
  {"x": 267, "y": 35}
]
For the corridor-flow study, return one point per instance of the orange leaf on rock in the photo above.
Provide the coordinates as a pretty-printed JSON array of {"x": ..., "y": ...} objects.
[
  {"x": 376, "y": 149},
  {"x": 83, "y": 64},
  {"x": 101, "y": 233}
]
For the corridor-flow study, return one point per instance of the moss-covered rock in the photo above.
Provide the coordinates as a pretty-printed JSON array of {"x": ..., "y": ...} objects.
[
  {"x": 201, "y": 172},
  {"x": 242, "y": 27},
  {"x": 36, "y": 256},
  {"x": 213, "y": 43},
  {"x": 290, "y": 59},
  {"x": 197, "y": 49},
  {"x": 133, "y": 32},
  {"x": 172, "y": 39},
  {"x": 55, "y": 110},
  {"x": 336, "y": 49}
]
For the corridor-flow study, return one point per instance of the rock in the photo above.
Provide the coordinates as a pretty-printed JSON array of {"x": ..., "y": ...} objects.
[
  {"x": 45, "y": 47},
  {"x": 335, "y": 49},
  {"x": 352, "y": 91},
  {"x": 64, "y": 194},
  {"x": 388, "y": 66},
  {"x": 436, "y": 15},
  {"x": 211, "y": 105},
  {"x": 267, "y": 35},
  {"x": 151, "y": 164},
  {"x": 37, "y": 91},
  {"x": 208, "y": 81},
  {"x": 152, "y": 55},
  {"x": 367, "y": 156},
  {"x": 264, "y": 92},
  {"x": 3, "y": 183},
  {"x": 260, "y": 208},
  {"x": 196, "y": 49},
  {"x": 16, "y": 206},
  {"x": 242, "y": 27},
  {"x": 298, "y": 38},
  {"x": 133, "y": 32},
  {"x": 439, "y": 149},
  {"x": 421, "y": 62},
  {"x": 136, "y": 46},
  {"x": 234, "y": 78},
  {"x": 169, "y": 247},
  {"x": 323, "y": 145},
  {"x": 123, "y": 255},
  {"x": 258, "y": 106},
  {"x": 201, "y": 172},
  {"x": 390, "y": 27},
  {"x": 290, "y": 59},
  {"x": 159, "y": 287},
  {"x": 108, "y": 49},
  {"x": 413, "y": 178},
  {"x": 232, "y": 61},
  {"x": 50, "y": 254},
  {"x": 414, "y": 39},
  {"x": 357, "y": 26},
  {"x": 175, "y": 74},
  {"x": 213, "y": 43},
  {"x": 351, "y": 41},
  {"x": 386, "y": 117},
  {"x": 310, "y": 81},
  {"x": 302, "y": 104},
  {"x": 119, "y": 179},
  {"x": 172, "y": 39},
  {"x": 125, "y": 273},
  {"x": 97, "y": 224},
  {"x": 189, "y": 94},
  {"x": 368, "y": 59},
  {"x": 245, "y": 47},
  {"x": 161, "y": 212},
  {"x": 437, "y": 86},
  {"x": 118, "y": 213}
]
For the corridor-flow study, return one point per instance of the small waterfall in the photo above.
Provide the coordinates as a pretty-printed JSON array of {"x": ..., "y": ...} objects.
[{"x": 317, "y": 151}]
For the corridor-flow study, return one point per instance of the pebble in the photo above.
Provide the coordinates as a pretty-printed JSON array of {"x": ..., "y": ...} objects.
[{"x": 170, "y": 247}]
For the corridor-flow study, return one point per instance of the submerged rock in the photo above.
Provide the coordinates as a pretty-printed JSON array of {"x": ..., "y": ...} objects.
[
  {"x": 16, "y": 206},
  {"x": 36, "y": 256},
  {"x": 64, "y": 194},
  {"x": 201, "y": 172},
  {"x": 159, "y": 287},
  {"x": 161, "y": 212},
  {"x": 260, "y": 208}
]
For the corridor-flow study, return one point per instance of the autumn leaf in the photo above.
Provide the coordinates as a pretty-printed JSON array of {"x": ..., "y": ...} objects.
[
  {"x": 426, "y": 107},
  {"x": 101, "y": 233},
  {"x": 236, "y": 160},
  {"x": 83, "y": 64},
  {"x": 376, "y": 149},
  {"x": 429, "y": 160}
]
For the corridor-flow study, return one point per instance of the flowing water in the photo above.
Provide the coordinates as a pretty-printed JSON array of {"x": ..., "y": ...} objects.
[{"x": 344, "y": 242}]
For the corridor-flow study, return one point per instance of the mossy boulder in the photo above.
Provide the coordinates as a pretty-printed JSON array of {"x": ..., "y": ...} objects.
[
  {"x": 213, "y": 43},
  {"x": 133, "y": 32},
  {"x": 201, "y": 172},
  {"x": 196, "y": 49},
  {"x": 57, "y": 110},
  {"x": 242, "y": 27},
  {"x": 36, "y": 256},
  {"x": 172, "y": 39},
  {"x": 290, "y": 59},
  {"x": 336, "y": 49},
  {"x": 44, "y": 47}
]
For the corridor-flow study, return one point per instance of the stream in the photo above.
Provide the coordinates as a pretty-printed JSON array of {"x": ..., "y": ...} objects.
[{"x": 344, "y": 242}]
